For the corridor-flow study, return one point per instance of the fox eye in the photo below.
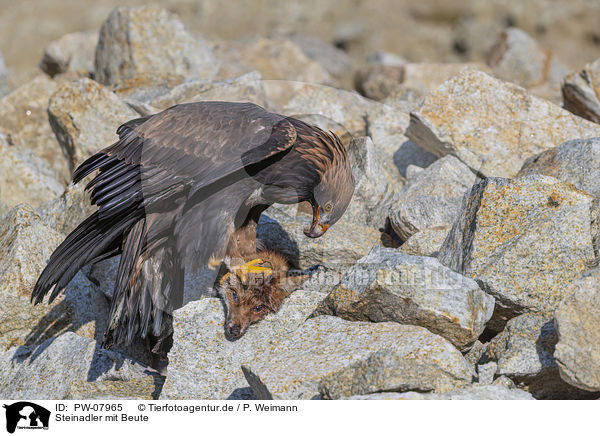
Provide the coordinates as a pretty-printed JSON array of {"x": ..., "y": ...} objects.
[
  {"x": 328, "y": 207},
  {"x": 235, "y": 297},
  {"x": 258, "y": 308}
]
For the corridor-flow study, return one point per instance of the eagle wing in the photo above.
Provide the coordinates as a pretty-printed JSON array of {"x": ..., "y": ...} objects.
[{"x": 155, "y": 163}]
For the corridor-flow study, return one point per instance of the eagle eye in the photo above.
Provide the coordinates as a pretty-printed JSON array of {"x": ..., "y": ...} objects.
[
  {"x": 234, "y": 295},
  {"x": 258, "y": 308},
  {"x": 328, "y": 207}
]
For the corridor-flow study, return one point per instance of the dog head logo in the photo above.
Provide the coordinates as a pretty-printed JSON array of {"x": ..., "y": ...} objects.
[{"x": 26, "y": 415}]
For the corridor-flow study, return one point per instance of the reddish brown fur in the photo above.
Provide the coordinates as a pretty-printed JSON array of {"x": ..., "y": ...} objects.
[{"x": 260, "y": 295}]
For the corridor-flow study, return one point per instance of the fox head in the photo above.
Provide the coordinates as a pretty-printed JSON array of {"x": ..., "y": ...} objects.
[{"x": 250, "y": 299}]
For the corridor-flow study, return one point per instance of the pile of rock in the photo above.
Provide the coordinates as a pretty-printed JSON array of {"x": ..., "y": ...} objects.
[{"x": 464, "y": 268}]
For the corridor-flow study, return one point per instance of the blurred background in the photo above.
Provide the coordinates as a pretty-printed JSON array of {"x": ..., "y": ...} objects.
[{"x": 418, "y": 31}]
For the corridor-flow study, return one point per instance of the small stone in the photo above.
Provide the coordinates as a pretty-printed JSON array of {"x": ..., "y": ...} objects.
[
  {"x": 426, "y": 242},
  {"x": 581, "y": 92},
  {"x": 578, "y": 327},
  {"x": 71, "y": 52},
  {"x": 491, "y": 126},
  {"x": 523, "y": 240},
  {"x": 378, "y": 81},
  {"x": 576, "y": 162},
  {"x": 135, "y": 41},
  {"x": 387, "y": 285},
  {"x": 477, "y": 350},
  {"x": 505, "y": 382},
  {"x": 85, "y": 116},
  {"x": 432, "y": 198},
  {"x": 329, "y": 357},
  {"x": 486, "y": 372}
]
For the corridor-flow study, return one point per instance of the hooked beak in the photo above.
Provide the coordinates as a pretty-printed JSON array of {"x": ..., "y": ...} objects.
[{"x": 316, "y": 229}]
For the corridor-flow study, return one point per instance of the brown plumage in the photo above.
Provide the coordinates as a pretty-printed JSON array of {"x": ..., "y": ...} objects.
[{"x": 186, "y": 186}]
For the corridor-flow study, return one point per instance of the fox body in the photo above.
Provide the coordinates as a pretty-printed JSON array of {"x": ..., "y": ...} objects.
[{"x": 251, "y": 294}]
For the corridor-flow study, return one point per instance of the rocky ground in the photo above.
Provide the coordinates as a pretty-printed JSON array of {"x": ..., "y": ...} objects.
[{"x": 466, "y": 266}]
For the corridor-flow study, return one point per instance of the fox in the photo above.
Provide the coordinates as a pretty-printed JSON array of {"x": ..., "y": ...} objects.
[{"x": 257, "y": 288}]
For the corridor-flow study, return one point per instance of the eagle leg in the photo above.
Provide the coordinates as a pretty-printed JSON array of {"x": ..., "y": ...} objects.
[{"x": 250, "y": 267}]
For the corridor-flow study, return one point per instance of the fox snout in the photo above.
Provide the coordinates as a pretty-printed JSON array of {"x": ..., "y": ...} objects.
[{"x": 235, "y": 331}]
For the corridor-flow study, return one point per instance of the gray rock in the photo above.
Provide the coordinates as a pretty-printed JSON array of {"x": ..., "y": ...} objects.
[
  {"x": 85, "y": 116},
  {"x": 505, "y": 382},
  {"x": 432, "y": 198},
  {"x": 274, "y": 57},
  {"x": 410, "y": 154},
  {"x": 576, "y": 162},
  {"x": 333, "y": 59},
  {"x": 46, "y": 371},
  {"x": 203, "y": 364},
  {"x": 474, "y": 392},
  {"x": 3, "y": 77},
  {"x": 516, "y": 57},
  {"x": 135, "y": 41},
  {"x": 281, "y": 228},
  {"x": 427, "y": 242},
  {"x": 486, "y": 372},
  {"x": 330, "y": 357},
  {"x": 477, "y": 350},
  {"x": 375, "y": 188},
  {"x": 26, "y": 243},
  {"x": 348, "y": 109},
  {"x": 491, "y": 126},
  {"x": 525, "y": 355},
  {"x": 24, "y": 119},
  {"x": 388, "y": 285},
  {"x": 427, "y": 76},
  {"x": 25, "y": 177},
  {"x": 523, "y": 240},
  {"x": 578, "y": 327},
  {"x": 581, "y": 92},
  {"x": 135, "y": 389},
  {"x": 386, "y": 125},
  {"x": 246, "y": 88},
  {"x": 385, "y": 58},
  {"x": 140, "y": 90},
  {"x": 71, "y": 52},
  {"x": 67, "y": 211},
  {"x": 379, "y": 81}
]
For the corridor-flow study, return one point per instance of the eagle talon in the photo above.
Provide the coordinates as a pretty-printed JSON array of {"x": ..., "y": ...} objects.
[{"x": 242, "y": 271}]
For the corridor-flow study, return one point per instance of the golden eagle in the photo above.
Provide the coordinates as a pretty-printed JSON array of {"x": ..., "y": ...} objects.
[{"x": 187, "y": 186}]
